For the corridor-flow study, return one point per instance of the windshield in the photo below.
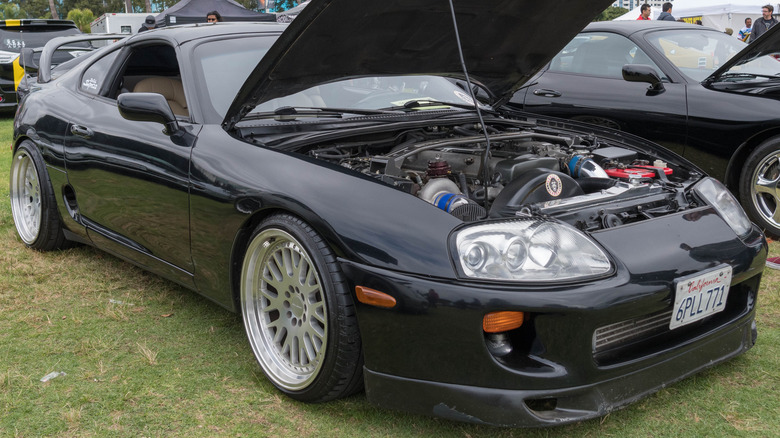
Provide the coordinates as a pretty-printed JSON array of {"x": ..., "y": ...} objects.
[
  {"x": 367, "y": 93},
  {"x": 375, "y": 93},
  {"x": 696, "y": 52},
  {"x": 222, "y": 84}
]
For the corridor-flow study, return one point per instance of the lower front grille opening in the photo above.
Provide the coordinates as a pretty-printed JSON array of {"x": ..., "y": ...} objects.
[
  {"x": 638, "y": 337},
  {"x": 542, "y": 404}
]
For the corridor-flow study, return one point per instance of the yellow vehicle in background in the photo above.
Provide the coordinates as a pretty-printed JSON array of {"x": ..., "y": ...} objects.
[{"x": 16, "y": 35}]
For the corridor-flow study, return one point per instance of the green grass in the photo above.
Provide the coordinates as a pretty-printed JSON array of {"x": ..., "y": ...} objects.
[{"x": 167, "y": 362}]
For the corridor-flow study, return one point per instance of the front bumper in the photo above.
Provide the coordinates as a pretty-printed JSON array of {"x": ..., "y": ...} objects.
[
  {"x": 8, "y": 103},
  {"x": 549, "y": 407},
  {"x": 429, "y": 354},
  {"x": 8, "y": 99}
]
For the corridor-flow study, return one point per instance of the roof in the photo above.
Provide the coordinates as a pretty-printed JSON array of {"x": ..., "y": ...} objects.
[
  {"x": 627, "y": 28},
  {"x": 194, "y": 31}
]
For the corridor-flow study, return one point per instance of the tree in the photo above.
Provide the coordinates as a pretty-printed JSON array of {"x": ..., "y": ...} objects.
[
  {"x": 36, "y": 8},
  {"x": 10, "y": 12},
  {"x": 611, "y": 13},
  {"x": 82, "y": 18},
  {"x": 98, "y": 7},
  {"x": 161, "y": 5},
  {"x": 53, "y": 9}
]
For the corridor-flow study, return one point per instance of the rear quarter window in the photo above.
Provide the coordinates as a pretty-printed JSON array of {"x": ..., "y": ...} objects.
[{"x": 94, "y": 77}]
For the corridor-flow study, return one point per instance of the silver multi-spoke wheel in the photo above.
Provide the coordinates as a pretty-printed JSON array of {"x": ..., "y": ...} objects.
[
  {"x": 284, "y": 309},
  {"x": 298, "y": 312},
  {"x": 33, "y": 204},
  {"x": 765, "y": 190},
  {"x": 759, "y": 186},
  {"x": 25, "y": 197}
]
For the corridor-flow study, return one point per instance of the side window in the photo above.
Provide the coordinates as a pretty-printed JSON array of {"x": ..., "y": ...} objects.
[
  {"x": 600, "y": 54},
  {"x": 95, "y": 76},
  {"x": 153, "y": 69}
]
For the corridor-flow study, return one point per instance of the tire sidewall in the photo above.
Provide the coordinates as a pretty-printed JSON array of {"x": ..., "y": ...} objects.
[
  {"x": 335, "y": 293},
  {"x": 43, "y": 240}
]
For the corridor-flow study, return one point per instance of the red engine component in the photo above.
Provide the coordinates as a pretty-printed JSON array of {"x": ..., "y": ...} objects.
[
  {"x": 438, "y": 169},
  {"x": 636, "y": 172}
]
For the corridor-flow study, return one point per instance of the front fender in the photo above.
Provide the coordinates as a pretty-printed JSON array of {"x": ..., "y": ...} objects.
[{"x": 365, "y": 221}]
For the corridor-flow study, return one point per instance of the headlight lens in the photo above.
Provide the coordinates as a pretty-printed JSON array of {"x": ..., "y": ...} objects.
[
  {"x": 7, "y": 57},
  {"x": 719, "y": 197},
  {"x": 528, "y": 250}
]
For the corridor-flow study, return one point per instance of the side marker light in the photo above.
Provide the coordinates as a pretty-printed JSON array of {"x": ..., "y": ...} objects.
[
  {"x": 373, "y": 297},
  {"x": 497, "y": 322}
]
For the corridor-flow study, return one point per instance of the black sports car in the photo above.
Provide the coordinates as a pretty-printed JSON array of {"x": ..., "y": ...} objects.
[
  {"x": 712, "y": 99},
  {"x": 380, "y": 219}
]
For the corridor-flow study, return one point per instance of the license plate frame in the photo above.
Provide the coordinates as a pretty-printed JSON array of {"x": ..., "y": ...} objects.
[{"x": 700, "y": 295}]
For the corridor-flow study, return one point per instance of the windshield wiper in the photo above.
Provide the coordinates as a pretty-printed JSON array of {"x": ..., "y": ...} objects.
[
  {"x": 287, "y": 113},
  {"x": 747, "y": 76},
  {"x": 414, "y": 105}
]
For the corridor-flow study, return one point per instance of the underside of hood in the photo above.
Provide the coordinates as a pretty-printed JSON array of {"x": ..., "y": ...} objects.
[{"x": 504, "y": 43}]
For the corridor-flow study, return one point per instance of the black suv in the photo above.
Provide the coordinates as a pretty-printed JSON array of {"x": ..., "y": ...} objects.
[{"x": 15, "y": 35}]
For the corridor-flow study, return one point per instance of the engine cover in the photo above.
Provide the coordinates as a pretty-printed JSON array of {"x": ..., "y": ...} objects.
[{"x": 536, "y": 185}]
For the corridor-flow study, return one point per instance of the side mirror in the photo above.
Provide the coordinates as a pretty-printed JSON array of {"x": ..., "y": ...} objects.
[
  {"x": 148, "y": 107},
  {"x": 644, "y": 73},
  {"x": 27, "y": 61}
]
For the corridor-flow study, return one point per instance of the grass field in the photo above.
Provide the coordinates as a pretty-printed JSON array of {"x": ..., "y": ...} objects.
[{"x": 145, "y": 357}]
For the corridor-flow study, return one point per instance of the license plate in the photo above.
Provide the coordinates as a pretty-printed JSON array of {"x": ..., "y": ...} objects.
[{"x": 700, "y": 295}]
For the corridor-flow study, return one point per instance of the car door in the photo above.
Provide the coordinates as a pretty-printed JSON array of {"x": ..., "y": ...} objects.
[
  {"x": 130, "y": 181},
  {"x": 584, "y": 82}
]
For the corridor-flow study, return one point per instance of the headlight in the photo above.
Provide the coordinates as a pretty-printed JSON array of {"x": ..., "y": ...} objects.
[
  {"x": 7, "y": 57},
  {"x": 528, "y": 250},
  {"x": 719, "y": 197}
]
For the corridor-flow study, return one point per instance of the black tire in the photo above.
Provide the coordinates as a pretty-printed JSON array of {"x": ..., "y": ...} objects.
[
  {"x": 759, "y": 186},
  {"x": 33, "y": 204},
  {"x": 298, "y": 312}
]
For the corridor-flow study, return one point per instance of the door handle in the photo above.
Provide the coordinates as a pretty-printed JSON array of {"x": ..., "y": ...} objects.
[
  {"x": 546, "y": 93},
  {"x": 81, "y": 131}
]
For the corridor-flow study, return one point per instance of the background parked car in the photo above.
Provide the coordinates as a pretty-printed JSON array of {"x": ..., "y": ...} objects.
[
  {"x": 712, "y": 102},
  {"x": 16, "y": 35}
]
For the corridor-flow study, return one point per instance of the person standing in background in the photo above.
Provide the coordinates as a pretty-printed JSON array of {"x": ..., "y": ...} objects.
[
  {"x": 644, "y": 12},
  {"x": 763, "y": 24},
  {"x": 149, "y": 23},
  {"x": 666, "y": 14},
  {"x": 744, "y": 33},
  {"x": 213, "y": 17}
]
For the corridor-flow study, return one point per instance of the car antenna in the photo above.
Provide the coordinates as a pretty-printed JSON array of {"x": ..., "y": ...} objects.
[{"x": 485, "y": 161}]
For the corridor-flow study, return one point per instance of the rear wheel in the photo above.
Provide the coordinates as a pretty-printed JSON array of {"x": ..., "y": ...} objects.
[
  {"x": 298, "y": 313},
  {"x": 760, "y": 186},
  {"x": 33, "y": 205}
]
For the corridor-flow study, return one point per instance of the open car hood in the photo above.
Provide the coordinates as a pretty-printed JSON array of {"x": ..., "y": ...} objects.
[
  {"x": 767, "y": 44},
  {"x": 504, "y": 43}
]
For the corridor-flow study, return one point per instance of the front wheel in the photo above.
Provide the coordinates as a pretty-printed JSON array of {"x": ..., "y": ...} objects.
[
  {"x": 33, "y": 205},
  {"x": 760, "y": 186},
  {"x": 298, "y": 313}
]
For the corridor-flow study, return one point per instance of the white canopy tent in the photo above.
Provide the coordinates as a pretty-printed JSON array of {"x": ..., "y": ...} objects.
[{"x": 719, "y": 14}]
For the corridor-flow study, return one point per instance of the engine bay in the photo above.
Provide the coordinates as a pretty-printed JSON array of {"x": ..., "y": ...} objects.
[{"x": 527, "y": 170}]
